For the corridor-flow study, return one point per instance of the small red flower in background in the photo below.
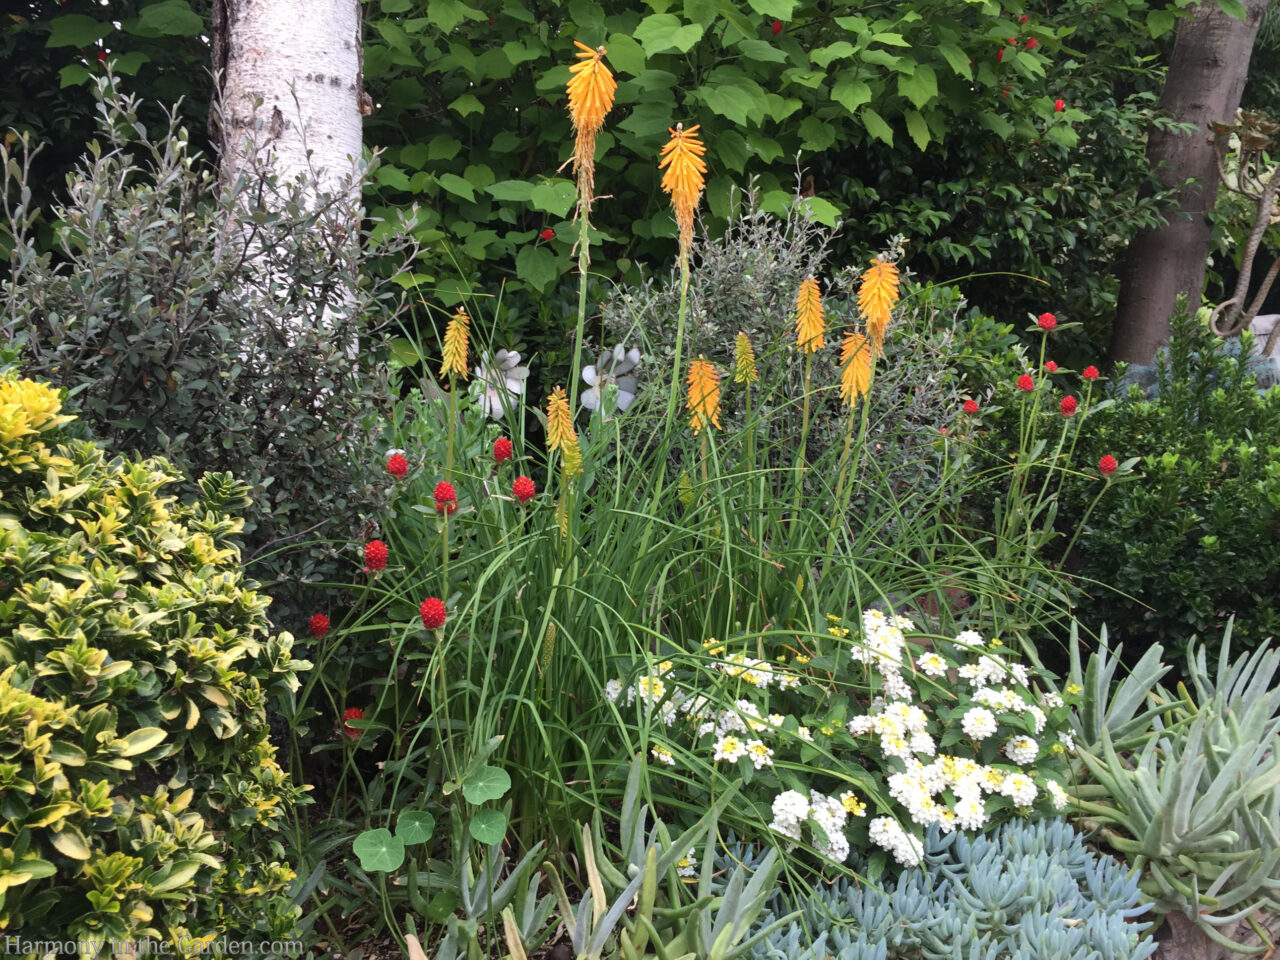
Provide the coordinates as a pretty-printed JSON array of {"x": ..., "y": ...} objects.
[
  {"x": 1107, "y": 465},
  {"x": 523, "y": 489},
  {"x": 1023, "y": 18},
  {"x": 1059, "y": 105},
  {"x": 433, "y": 613},
  {"x": 397, "y": 466},
  {"x": 1051, "y": 366},
  {"x": 375, "y": 555},
  {"x": 501, "y": 450},
  {"x": 1026, "y": 383},
  {"x": 446, "y": 497},
  {"x": 548, "y": 234},
  {"x": 999, "y": 54},
  {"x": 1032, "y": 43},
  {"x": 102, "y": 56},
  {"x": 777, "y": 27},
  {"x": 1047, "y": 321},
  {"x": 1090, "y": 372},
  {"x": 353, "y": 713},
  {"x": 319, "y": 625},
  {"x": 943, "y": 431},
  {"x": 971, "y": 406},
  {"x": 1068, "y": 406}
]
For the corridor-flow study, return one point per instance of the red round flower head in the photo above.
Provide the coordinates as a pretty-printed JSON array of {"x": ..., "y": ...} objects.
[
  {"x": 1032, "y": 43},
  {"x": 971, "y": 406},
  {"x": 1089, "y": 373},
  {"x": 1059, "y": 105},
  {"x": 1023, "y": 18},
  {"x": 1107, "y": 465},
  {"x": 446, "y": 497},
  {"x": 1068, "y": 406},
  {"x": 353, "y": 713},
  {"x": 777, "y": 27},
  {"x": 375, "y": 555},
  {"x": 548, "y": 234},
  {"x": 1026, "y": 383},
  {"x": 1051, "y": 366},
  {"x": 433, "y": 613},
  {"x": 523, "y": 489},
  {"x": 1047, "y": 321},
  {"x": 397, "y": 466},
  {"x": 501, "y": 450},
  {"x": 319, "y": 625}
]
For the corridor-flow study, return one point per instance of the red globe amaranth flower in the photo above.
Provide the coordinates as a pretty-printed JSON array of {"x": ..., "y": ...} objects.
[
  {"x": 433, "y": 613},
  {"x": 523, "y": 489},
  {"x": 1047, "y": 321},
  {"x": 943, "y": 431},
  {"x": 319, "y": 625},
  {"x": 548, "y": 234},
  {"x": 1023, "y": 18},
  {"x": 1068, "y": 406},
  {"x": 375, "y": 555},
  {"x": 1059, "y": 105},
  {"x": 1090, "y": 372},
  {"x": 353, "y": 713},
  {"x": 398, "y": 466},
  {"x": 1051, "y": 366},
  {"x": 501, "y": 450},
  {"x": 1032, "y": 43},
  {"x": 971, "y": 406},
  {"x": 777, "y": 27},
  {"x": 1107, "y": 465},
  {"x": 1026, "y": 383},
  {"x": 446, "y": 497}
]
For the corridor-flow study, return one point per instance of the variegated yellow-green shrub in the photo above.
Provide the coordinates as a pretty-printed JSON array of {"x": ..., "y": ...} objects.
[{"x": 139, "y": 795}]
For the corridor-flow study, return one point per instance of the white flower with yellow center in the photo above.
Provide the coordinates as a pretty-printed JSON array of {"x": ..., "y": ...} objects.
[
  {"x": 729, "y": 748},
  {"x": 1019, "y": 788},
  {"x": 1022, "y": 750},
  {"x": 931, "y": 665},
  {"x": 663, "y": 755},
  {"x": 978, "y": 723},
  {"x": 759, "y": 754},
  {"x": 1056, "y": 794}
]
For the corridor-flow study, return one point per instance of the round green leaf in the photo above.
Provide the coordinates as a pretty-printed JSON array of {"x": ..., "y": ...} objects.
[
  {"x": 415, "y": 826},
  {"x": 171, "y": 18},
  {"x": 488, "y": 826},
  {"x": 379, "y": 850},
  {"x": 487, "y": 783}
]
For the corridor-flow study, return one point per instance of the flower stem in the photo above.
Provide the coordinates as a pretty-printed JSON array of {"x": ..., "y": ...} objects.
[
  {"x": 584, "y": 260},
  {"x": 680, "y": 320},
  {"x": 453, "y": 428},
  {"x": 804, "y": 434}
]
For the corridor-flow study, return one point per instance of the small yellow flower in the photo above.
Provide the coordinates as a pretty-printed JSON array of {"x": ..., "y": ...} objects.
[
  {"x": 704, "y": 395},
  {"x": 1074, "y": 688},
  {"x": 852, "y": 804},
  {"x": 876, "y": 296},
  {"x": 456, "y": 335},
  {"x": 744, "y": 361},
  {"x": 827, "y": 731},
  {"x": 997, "y": 642},
  {"x": 684, "y": 179},
  {"x": 560, "y": 432},
  {"x": 856, "y": 362},
  {"x": 1058, "y": 748},
  {"x": 809, "y": 317}
]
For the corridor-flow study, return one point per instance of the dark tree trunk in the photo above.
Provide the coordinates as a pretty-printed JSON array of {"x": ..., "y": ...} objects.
[{"x": 1206, "y": 77}]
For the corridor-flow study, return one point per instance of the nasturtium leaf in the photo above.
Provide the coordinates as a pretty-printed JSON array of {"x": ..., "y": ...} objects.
[
  {"x": 554, "y": 196},
  {"x": 379, "y": 850},
  {"x": 76, "y": 30},
  {"x": 875, "y": 125},
  {"x": 660, "y": 32},
  {"x": 441, "y": 906},
  {"x": 917, "y": 128},
  {"x": 850, "y": 93},
  {"x": 488, "y": 783},
  {"x": 171, "y": 18},
  {"x": 415, "y": 826},
  {"x": 488, "y": 826}
]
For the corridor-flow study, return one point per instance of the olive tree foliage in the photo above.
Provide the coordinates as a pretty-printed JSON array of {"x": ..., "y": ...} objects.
[{"x": 250, "y": 343}]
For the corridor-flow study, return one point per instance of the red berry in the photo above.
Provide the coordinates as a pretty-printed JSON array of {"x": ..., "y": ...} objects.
[
  {"x": 971, "y": 406},
  {"x": 433, "y": 613},
  {"x": 548, "y": 234},
  {"x": 1026, "y": 383},
  {"x": 319, "y": 625},
  {"x": 353, "y": 713},
  {"x": 1090, "y": 372},
  {"x": 1059, "y": 105},
  {"x": 523, "y": 489},
  {"x": 375, "y": 555},
  {"x": 501, "y": 450},
  {"x": 1051, "y": 366},
  {"x": 777, "y": 27},
  {"x": 1068, "y": 406},
  {"x": 1107, "y": 465},
  {"x": 397, "y": 466},
  {"x": 1047, "y": 321},
  {"x": 446, "y": 497}
]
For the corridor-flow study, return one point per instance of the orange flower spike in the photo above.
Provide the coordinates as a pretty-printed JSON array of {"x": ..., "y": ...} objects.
[
  {"x": 684, "y": 178},
  {"x": 809, "y": 317},
  {"x": 591, "y": 89},
  {"x": 704, "y": 395},
  {"x": 856, "y": 362},
  {"x": 456, "y": 335},
  {"x": 876, "y": 297}
]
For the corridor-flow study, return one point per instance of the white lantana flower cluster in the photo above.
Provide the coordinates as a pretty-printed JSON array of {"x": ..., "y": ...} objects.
[{"x": 792, "y": 809}]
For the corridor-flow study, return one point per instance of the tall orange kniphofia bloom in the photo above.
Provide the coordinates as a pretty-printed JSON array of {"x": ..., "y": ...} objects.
[
  {"x": 560, "y": 432},
  {"x": 456, "y": 336},
  {"x": 684, "y": 179},
  {"x": 704, "y": 395},
  {"x": 856, "y": 361},
  {"x": 744, "y": 361},
  {"x": 591, "y": 88},
  {"x": 809, "y": 317},
  {"x": 876, "y": 297}
]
